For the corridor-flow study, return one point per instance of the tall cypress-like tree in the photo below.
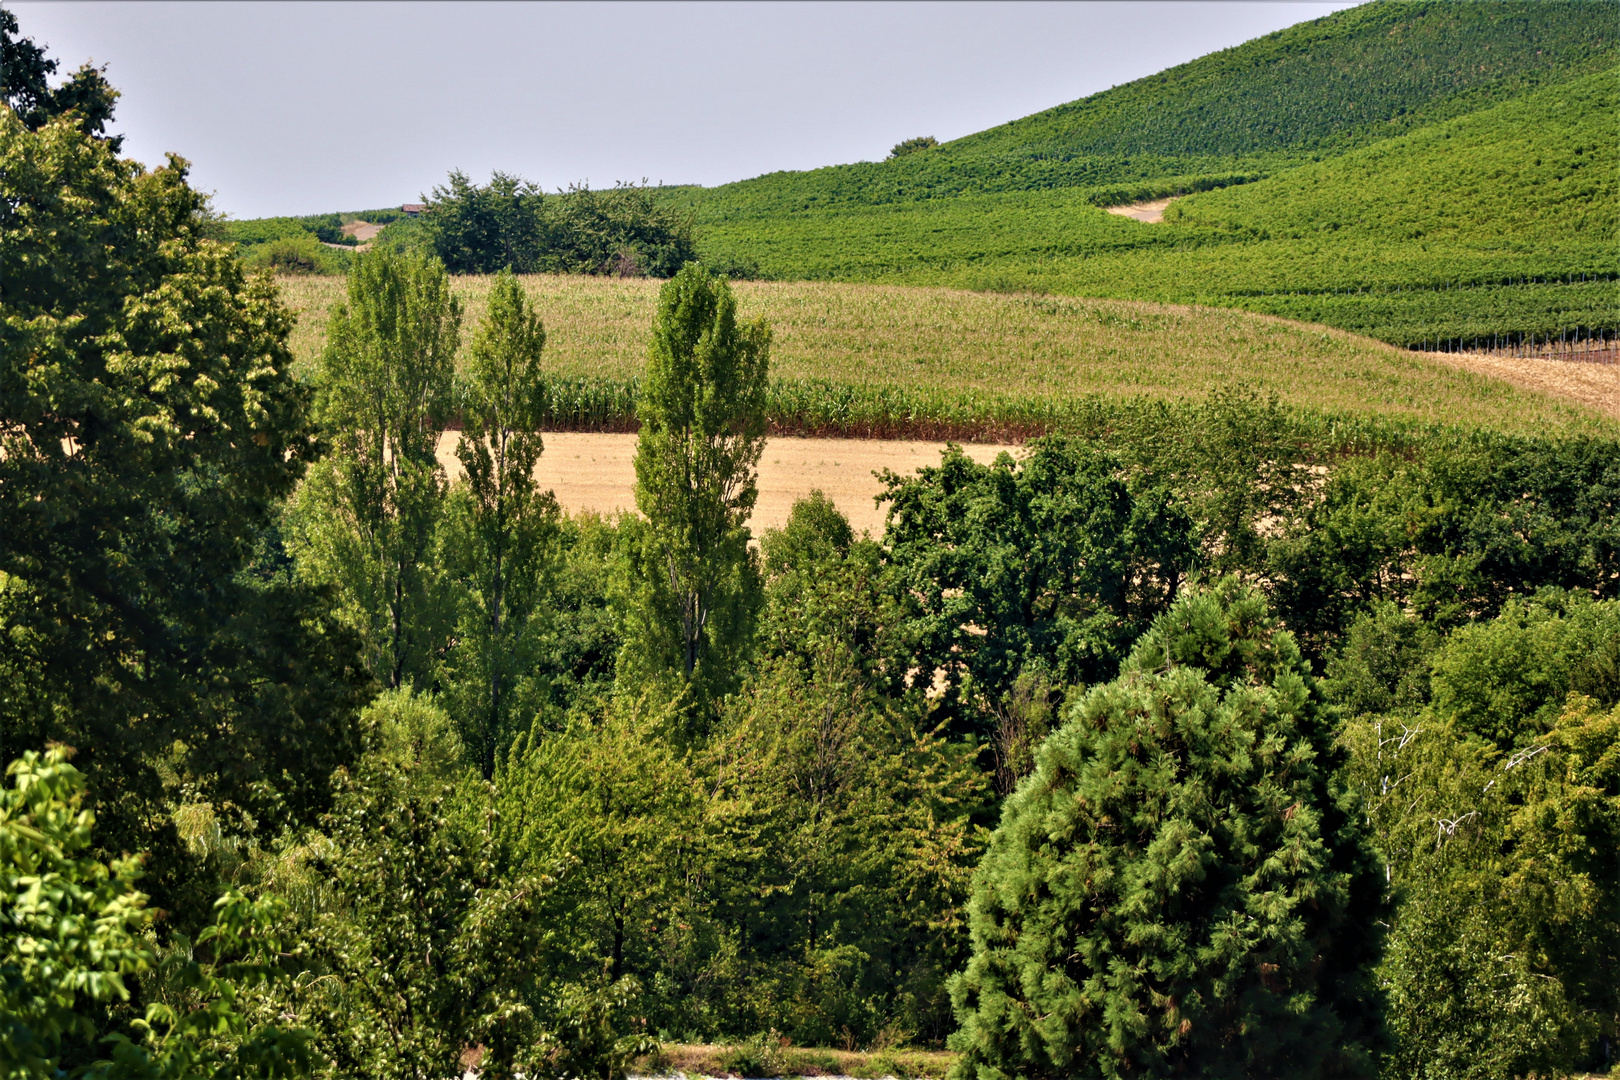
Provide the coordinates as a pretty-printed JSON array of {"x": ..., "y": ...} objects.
[
  {"x": 694, "y": 584},
  {"x": 366, "y": 519},
  {"x": 499, "y": 524},
  {"x": 1184, "y": 885}
]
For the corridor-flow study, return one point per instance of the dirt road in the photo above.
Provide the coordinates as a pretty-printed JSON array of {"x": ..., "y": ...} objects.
[
  {"x": 363, "y": 231},
  {"x": 591, "y": 471},
  {"x": 1150, "y": 212}
]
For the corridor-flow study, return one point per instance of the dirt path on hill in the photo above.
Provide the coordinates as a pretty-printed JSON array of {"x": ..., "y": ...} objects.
[
  {"x": 593, "y": 471},
  {"x": 363, "y": 231},
  {"x": 1594, "y": 385},
  {"x": 1150, "y": 212}
]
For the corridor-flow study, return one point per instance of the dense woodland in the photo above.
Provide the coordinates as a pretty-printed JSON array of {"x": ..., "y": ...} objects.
[{"x": 1196, "y": 739}]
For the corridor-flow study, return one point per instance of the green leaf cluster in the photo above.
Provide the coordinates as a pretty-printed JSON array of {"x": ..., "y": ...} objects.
[
  {"x": 509, "y": 223},
  {"x": 75, "y": 928},
  {"x": 1496, "y": 803}
]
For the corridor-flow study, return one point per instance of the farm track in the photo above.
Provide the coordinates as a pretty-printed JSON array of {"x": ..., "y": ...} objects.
[{"x": 595, "y": 471}]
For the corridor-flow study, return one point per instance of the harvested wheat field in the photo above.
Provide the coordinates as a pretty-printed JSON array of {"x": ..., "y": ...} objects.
[
  {"x": 595, "y": 472},
  {"x": 1596, "y": 386},
  {"x": 972, "y": 346}
]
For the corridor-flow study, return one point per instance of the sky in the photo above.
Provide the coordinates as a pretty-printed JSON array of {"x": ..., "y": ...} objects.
[{"x": 303, "y": 108}]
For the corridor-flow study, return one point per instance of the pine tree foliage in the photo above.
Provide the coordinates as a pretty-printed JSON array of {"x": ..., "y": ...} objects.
[
  {"x": 702, "y": 411},
  {"x": 1183, "y": 884}
]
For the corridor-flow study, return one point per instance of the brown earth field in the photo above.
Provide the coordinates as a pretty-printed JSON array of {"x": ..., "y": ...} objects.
[
  {"x": 591, "y": 471},
  {"x": 1596, "y": 386},
  {"x": 1150, "y": 213}
]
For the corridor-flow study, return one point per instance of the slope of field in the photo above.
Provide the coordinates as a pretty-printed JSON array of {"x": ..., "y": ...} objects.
[
  {"x": 1319, "y": 87},
  {"x": 1501, "y": 222},
  {"x": 877, "y": 359}
]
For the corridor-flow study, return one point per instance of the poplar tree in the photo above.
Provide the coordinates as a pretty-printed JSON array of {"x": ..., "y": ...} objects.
[
  {"x": 694, "y": 584},
  {"x": 499, "y": 526},
  {"x": 366, "y": 520}
]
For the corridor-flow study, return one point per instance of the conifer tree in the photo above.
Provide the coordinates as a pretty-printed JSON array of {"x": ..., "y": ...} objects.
[
  {"x": 1184, "y": 884},
  {"x": 499, "y": 525},
  {"x": 366, "y": 519},
  {"x": 694, "y": 583}
]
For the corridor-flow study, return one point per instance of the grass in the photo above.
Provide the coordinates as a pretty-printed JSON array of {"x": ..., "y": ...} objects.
[
  {"x": 694, "y": 1059},
  {"x": 936, "y": 362}
]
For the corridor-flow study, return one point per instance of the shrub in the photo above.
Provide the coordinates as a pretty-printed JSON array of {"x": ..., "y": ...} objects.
[
  {"x": 760, "y": 1056},
  {"x": 296, "y": 255},
  {"x": 911, "y": 146},
  {"x": 1183, "y": 884}
]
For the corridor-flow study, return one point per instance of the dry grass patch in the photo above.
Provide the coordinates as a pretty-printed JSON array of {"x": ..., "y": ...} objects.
[
  {"x": 714, "y": 1059},
  {"x": 950, "y": 341}
]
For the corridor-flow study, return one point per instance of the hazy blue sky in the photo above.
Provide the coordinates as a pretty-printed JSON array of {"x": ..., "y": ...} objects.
[{"x": 297, "y": 108}]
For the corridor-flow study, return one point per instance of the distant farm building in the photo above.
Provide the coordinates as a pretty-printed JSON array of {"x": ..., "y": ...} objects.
[{"x": 411, "y": 209}]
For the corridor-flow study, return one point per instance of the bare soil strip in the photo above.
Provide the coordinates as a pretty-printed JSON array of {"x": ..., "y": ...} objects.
[
  {"x": 1593, "y": 384},
  {"x": 363, "y": 231},
  {"x": 596, "y": 472},
  {"x": 1150, "y": 212}
]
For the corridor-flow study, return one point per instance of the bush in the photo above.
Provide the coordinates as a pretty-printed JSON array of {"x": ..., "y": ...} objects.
[
  {"x": 625, "y": 231},
  {"x": 911, "y": 146},
  {"x": 1183, "y": 885},
  {"x": 74, "y": 928},
  {"x": 296, "y": 255},
  {"x": 760, "y": 1056}
]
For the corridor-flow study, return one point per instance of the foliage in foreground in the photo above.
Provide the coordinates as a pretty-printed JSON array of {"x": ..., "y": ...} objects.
[
  {"x": 1490, "y": 764},
  {"x": 149, "y": 428},
  {"x": 1183, "y": 883},
  {"x": 73, "y": 929}
]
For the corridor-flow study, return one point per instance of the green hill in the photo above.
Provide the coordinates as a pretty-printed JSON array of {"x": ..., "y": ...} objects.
[
  {"x": 1319, "y": 87},
  {"x": 1501, "y": 221},
  {"x": 1426, "y": 172},
  {"x": 1420, "y": 172}
]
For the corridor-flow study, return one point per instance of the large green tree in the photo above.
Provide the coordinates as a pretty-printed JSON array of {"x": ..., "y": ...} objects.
[
  {"x": 694, "y": 585},
  {"x": 499, "y": 526},
  {"x": 845, "y": 829},
  {"x": 1184, "y": 884},
  {"x": 481, "y": 229},
  {"x": 149, "y": 426},
  {"x": 366, "y": 520},
  {"x": 1496, "y": 803},
  {"x": 417, "y": 942},
  {"x": 1049, "y": 566}
]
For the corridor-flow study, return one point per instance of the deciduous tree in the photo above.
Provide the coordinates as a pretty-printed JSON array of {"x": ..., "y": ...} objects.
[
  {"x": 694, "y": 585},
  {"x": 500, "y": 527},
  {"x": 150, "y": 424},
  {"x": 365, "y": 521}
]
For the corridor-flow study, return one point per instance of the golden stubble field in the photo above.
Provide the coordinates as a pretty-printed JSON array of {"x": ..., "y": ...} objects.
[{"x": 941, "y": 340}]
